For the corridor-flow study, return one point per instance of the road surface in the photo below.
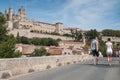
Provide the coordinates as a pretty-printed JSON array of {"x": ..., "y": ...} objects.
[{"x": 79, "y": 71}]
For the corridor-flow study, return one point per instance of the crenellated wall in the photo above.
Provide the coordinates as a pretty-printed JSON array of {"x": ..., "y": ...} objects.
[{"x": 17, "y": 66}]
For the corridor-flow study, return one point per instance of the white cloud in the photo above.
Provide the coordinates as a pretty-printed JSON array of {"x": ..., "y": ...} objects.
[{"x": 87, "y": 12}]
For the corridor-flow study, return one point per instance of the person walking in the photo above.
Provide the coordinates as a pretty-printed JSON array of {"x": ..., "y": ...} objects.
[
  {"x": 94, "y": 47},
  {"x": 109, "y": 50}
]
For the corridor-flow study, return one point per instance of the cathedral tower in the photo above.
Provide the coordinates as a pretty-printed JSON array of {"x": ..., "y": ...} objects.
[
  {"x": 59, "y": 27},
  {"x": 7, "y": 14},
  {"x": 10, "y": 14},
  {"x": 22, "y": 13}
]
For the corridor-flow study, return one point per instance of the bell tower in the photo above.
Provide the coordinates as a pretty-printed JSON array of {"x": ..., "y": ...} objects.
[
  {"x": 59, "y": 27},
  {"x": 22, "y": 13},
  {"x": 10, "y": 14}
]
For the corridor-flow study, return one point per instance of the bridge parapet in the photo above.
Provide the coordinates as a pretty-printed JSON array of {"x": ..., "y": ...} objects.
[{"x": 16, "y": 66}]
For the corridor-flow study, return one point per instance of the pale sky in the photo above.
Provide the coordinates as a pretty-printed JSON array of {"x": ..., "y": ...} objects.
[{"x": 84, "y": 14}]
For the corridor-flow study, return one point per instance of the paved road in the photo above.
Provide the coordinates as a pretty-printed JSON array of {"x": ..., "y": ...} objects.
[{"x": 80, "y": 71}]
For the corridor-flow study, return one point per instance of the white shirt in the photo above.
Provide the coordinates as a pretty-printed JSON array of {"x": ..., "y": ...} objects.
[
  {"x": 94, "y": 44},
  {"x": 109, "y": 47}
]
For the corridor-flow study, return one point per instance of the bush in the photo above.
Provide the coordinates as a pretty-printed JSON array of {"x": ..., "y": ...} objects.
[
  {"x": 7, "y": 42},
  {"x": 102, "y": 48},
  {"x": 3, "y": 29},
  {"x": 44, "y": 41},
  {"x": 7, "y": 48},
  {"x": 24, "y": 40},
  {"x": 40, "y": 52}
]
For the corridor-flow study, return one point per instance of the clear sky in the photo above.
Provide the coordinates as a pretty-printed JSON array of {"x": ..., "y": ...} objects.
[{"x": 84, "y": 14}]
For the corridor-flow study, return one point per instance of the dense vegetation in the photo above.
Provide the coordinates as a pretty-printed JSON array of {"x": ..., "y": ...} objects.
[
  {"x": 38, "y": 41},
  {"x": 40, "y": 52},
  {"x": 77, "y": 35},
  {"x": 107, "y": 32},
  {"x": 3, "y": 30},
  {"x": 7, "y": 42},
  {"x": 110, "y": 32},
  {"x": 91, "y": 34}
]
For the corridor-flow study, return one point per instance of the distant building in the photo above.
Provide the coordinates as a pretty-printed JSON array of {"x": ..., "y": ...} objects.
[
  {"x": 20, "y": 21},
  {"x": 55, "y": 51},
  {"x": 67, "y": 51},
  {"x": 67, "y": 44},
  {"x": 114, "y": 39},
  {"x": 25, "y": 49},
  {"x": 68, "y": 30},
  {"x": 18, "y": 48}
]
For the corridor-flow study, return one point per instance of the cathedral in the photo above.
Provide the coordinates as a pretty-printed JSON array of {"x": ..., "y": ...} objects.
[{"x": 19, "y": 20}]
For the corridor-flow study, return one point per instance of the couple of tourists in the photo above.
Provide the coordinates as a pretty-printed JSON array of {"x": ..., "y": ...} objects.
[{"x": 95, "y": 46}]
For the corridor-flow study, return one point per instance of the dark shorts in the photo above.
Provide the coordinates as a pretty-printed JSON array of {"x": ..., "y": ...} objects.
[{"x": 95, "y": 53}]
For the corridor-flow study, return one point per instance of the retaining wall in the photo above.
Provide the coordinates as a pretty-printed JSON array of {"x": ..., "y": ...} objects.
[
  {"x": 29, "y": 34},
  {"x": 15, "y": 66}
]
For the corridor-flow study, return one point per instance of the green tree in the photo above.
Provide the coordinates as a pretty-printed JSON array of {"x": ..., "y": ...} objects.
[
  {"x": 58, "y": 40},
  {"x": 18, "y": 38},
  {"x": 110, "y": 32},
  {"x": 102, "y": 47},
  {"x": 91, "y": 34},
  {"x": 76, "y": 34},
  {"x": 54, "y": 33},
  {"x": 35, "y": 41},
  {"x": 68, "y": 35},
  {"x": 44, "y": 41},
  {"x": 24, "y": 40},
  {"x": 40, "y": 52},
  {"x": 7, "y": 42},
  {"x": 3, "y": 30},
  {"x": 7, "y": 48}
]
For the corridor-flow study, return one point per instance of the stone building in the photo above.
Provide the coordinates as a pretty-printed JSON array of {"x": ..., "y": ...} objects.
[
  {"x": 20, "y": 21},
  {"x": 113, "y": 38}
]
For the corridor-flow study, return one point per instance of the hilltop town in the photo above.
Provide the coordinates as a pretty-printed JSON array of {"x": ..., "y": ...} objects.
[{"x": 19, "y": 23}]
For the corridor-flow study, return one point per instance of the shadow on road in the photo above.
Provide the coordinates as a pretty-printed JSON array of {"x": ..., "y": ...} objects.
[{"x": 105, "y": 65}]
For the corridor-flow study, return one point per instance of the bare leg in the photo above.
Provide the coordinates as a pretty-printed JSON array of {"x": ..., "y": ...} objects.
[
  {"x": 109, "y": 59},
  {"x": 95, "y": 60}
]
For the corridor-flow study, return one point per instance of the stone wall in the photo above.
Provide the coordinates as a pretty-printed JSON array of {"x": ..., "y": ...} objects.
[
  {"x": 16, "y": 66},
  {"x": 29, "y": 34},
  {"x": 114, "y": 39}
]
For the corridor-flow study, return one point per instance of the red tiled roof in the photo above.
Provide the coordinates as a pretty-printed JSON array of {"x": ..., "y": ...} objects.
[
  {"x": 26, "y": 49},
  {"x": 55, "y": 51}
]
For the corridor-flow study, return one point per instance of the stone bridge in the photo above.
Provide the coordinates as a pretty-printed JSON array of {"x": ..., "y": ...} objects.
[{"x": 16, "y": 66}]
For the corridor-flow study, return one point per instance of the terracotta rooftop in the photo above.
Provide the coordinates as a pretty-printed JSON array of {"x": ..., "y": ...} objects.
[{"x": 26, "y": 49}]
